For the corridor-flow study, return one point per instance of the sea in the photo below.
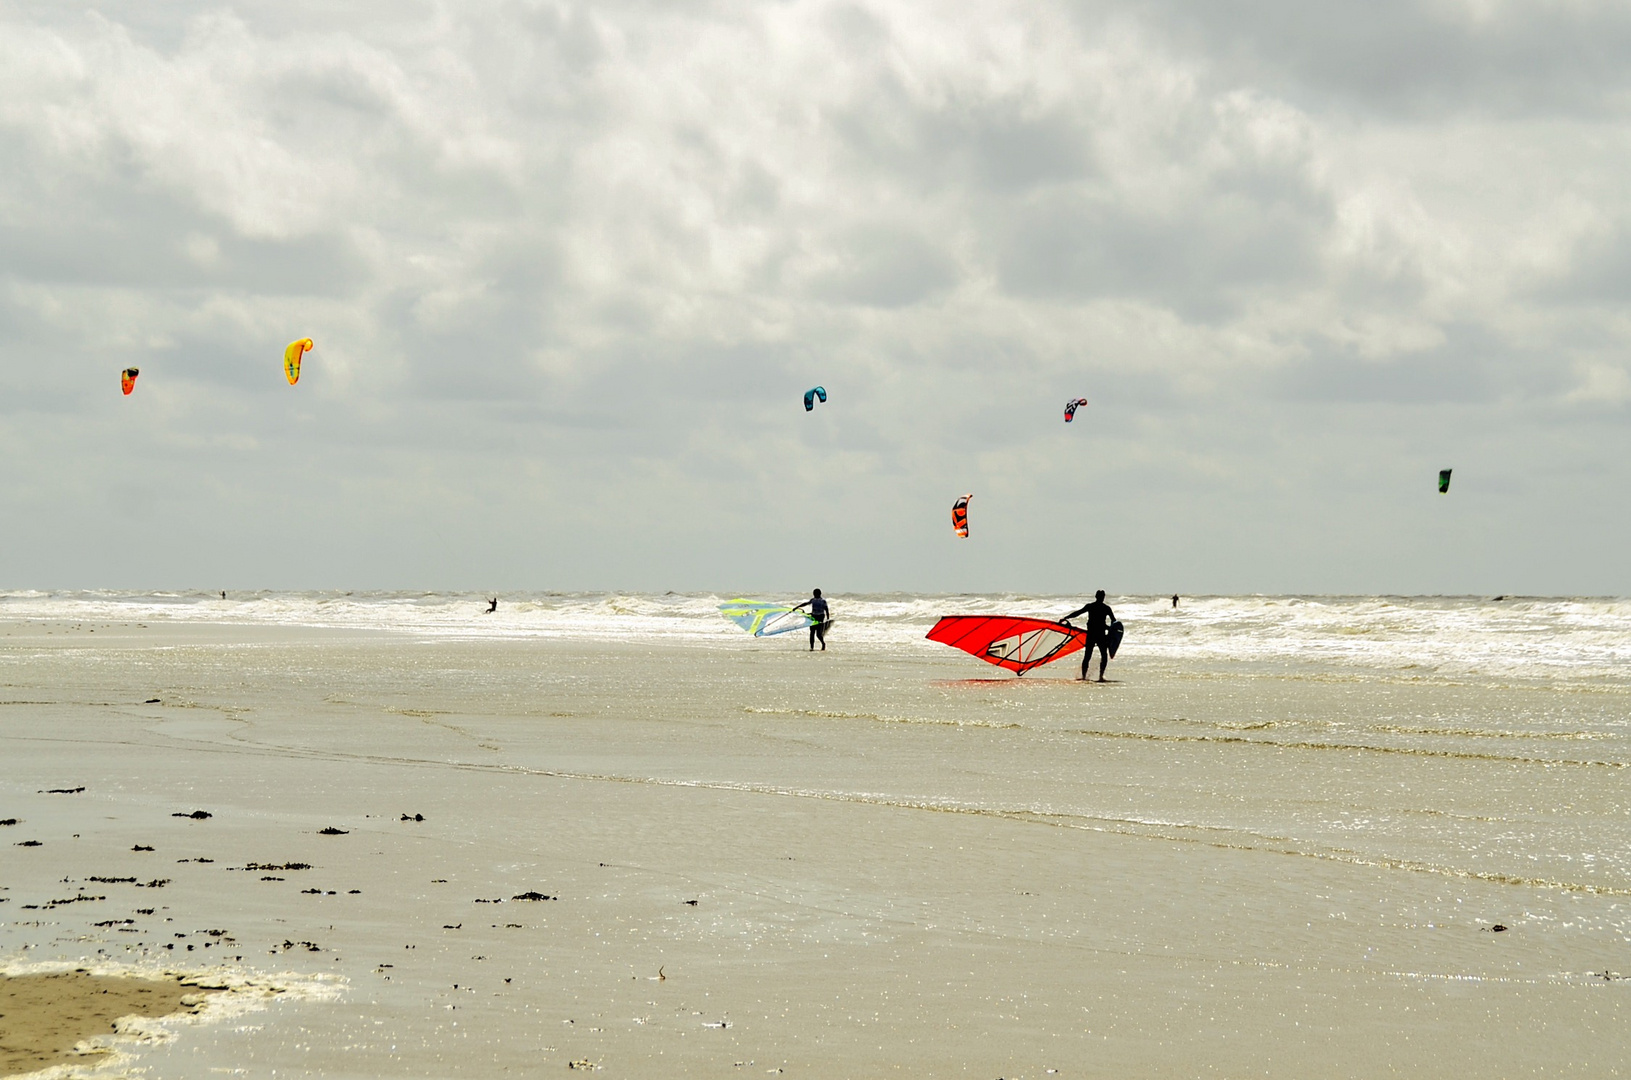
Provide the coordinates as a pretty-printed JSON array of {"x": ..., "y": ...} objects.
[{"x": 1574, "y": 640}]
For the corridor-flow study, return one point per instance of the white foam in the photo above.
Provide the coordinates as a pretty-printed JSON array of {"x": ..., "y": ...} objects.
[{"x": 1568, "y": 637}]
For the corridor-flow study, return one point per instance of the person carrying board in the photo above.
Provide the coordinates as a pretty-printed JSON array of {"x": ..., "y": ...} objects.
[
  {"x": 1099, "y": 618},
  {"x": 820, "y": 619}
]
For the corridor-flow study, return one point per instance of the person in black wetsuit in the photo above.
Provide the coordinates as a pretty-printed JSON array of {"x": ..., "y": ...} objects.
[
  {"x": 818, "y": 612},
  {"x": 1099, "y": 617}
]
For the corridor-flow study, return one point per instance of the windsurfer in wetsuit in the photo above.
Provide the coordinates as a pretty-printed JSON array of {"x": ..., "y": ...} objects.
[
  {"x": 818, "y": 612},
  {"x": 1099, "y": 617}
]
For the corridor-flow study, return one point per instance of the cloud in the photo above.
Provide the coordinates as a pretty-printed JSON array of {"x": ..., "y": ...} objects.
[
  {"x": 1412, "y": 60},
  {"x": 1604, "y": 384},
  {"x": 570, "y": 268}
]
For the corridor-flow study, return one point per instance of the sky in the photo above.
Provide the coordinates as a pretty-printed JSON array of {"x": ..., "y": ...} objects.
[{"x": 570, "y": 268}]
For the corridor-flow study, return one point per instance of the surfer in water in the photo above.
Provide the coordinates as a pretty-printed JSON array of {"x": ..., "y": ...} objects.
[
  {"x": 492, "y": 606},
  {"x": 818, "y": 612},
  {"x": 1099, "y": 618}
]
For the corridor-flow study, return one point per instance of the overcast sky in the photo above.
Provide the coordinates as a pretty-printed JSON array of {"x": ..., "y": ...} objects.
[{"x": 571, "y": 267}]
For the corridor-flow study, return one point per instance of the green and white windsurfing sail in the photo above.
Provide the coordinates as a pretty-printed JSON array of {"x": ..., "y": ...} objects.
[{"x": 762, "y": 620}]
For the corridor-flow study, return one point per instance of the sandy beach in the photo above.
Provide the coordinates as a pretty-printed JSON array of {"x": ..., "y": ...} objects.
[
  {"x": 516, "y": 854},
  {"x": 46, "y": 1018}
]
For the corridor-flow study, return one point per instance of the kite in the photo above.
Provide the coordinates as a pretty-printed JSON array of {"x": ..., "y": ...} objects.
[
  {"x": 1009, "y": 641},
  {"x": 1072, "y": 406},
  {"x": 291, "y": 358},
  {"x": 763, "y": 620},
  {"x": 1443, "y": 481},
  {"x": 127, "y": 379},
  {"x": 811, "y": 394},
  {"x": 959, "y": 516}
]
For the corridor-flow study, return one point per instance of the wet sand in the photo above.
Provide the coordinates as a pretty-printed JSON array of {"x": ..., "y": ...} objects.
[
  {"x": 43, "y": 1018},
  {"x": 516, "y": 856}
]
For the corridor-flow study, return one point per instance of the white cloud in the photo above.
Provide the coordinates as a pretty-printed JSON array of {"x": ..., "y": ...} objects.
[
  {"x": 576, "y": 264},
  {"x": 1602, "y": 384}
]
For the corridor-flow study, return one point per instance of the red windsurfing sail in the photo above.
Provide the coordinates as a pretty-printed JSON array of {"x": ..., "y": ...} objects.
[{"x": 1009, "y": 641}]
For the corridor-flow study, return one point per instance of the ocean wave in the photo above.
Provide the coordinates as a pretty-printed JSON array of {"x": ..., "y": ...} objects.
[{"x": 1581, "y": 639}]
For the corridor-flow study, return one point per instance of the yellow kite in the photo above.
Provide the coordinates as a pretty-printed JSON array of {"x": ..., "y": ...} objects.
[{"x": 291, "y": 358}]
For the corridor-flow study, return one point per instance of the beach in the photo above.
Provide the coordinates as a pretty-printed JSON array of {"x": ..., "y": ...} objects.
[{"x": 1295, "y": 836}]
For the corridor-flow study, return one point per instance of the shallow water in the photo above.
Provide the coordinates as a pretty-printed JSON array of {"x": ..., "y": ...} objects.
[{"x": 1278, "y": 843}]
